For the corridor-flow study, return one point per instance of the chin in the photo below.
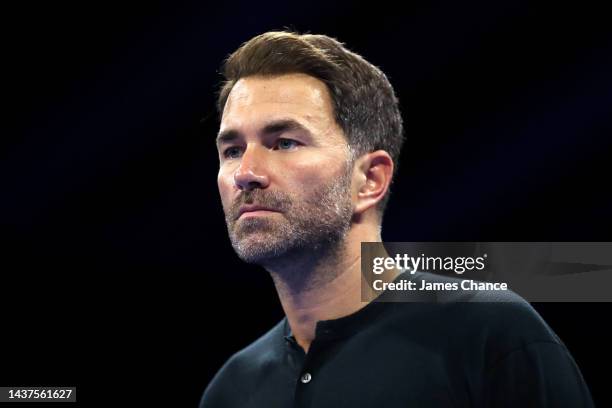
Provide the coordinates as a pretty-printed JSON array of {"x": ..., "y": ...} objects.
[{"x": 259, "y": 248}]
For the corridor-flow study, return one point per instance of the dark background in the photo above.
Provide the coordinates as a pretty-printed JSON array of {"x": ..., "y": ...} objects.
[{"x": 117, "y": 274}]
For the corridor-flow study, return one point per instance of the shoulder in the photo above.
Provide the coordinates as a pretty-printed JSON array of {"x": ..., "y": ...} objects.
[
  {"x": 262, "y": 352},
  {"x": 499, "y": 320},
  {"x": 242, "y": 366},
  {"x": 500, "y": 341},
  {"x": 503, "y": 312}
]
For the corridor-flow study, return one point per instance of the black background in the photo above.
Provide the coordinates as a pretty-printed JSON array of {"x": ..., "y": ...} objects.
[{"x": 117, "y": 274}]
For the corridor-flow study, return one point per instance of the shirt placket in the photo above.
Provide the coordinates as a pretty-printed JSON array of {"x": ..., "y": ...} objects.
[{"x": 306, "y": 381}]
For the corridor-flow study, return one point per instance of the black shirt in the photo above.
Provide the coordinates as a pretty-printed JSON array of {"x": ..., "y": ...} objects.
[{"x": 478, "y": 349}]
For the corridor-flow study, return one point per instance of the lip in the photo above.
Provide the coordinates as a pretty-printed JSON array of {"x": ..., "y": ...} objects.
[{"x": 254, "y": 210}]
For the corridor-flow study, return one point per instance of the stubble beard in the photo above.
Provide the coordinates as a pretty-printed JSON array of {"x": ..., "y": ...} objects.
[{"x": 313, "y": 226}]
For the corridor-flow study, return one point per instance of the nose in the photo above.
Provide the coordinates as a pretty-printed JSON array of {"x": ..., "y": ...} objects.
[{"x": 251, "y": 173}]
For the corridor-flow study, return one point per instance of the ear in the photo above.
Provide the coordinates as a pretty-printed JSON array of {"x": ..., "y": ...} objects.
[{"x": 374, "y": 172}]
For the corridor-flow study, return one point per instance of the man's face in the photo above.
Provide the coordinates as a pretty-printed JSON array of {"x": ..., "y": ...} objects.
[{"x": 285, "y": 171}]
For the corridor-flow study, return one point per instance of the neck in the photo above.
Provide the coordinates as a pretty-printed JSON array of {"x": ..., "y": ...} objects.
[{"x": 322, "y": 286}]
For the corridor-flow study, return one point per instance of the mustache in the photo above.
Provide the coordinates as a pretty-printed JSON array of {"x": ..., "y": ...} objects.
[{"x": 270, "y": 199}]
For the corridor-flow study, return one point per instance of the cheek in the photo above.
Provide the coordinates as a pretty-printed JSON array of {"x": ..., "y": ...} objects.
[
  {"x": 225, "y": 185},
  {"x": 310, "y": 179},
  {"x": 303, "y": 177}
]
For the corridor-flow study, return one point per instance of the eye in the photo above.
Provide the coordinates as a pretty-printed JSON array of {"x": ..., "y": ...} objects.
[
  {"x": 231, "y": 152},
  {"x": 286, "y": 144}
]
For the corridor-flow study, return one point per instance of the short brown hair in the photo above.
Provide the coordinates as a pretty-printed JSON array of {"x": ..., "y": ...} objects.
[{"x": 365, "y": 105}]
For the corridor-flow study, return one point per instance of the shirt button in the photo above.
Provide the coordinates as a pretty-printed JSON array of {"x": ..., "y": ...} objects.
[{"x": 306, "y": 377}]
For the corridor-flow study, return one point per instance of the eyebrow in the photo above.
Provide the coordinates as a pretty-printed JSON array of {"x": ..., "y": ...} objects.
[{"x": 275, "y": 126}]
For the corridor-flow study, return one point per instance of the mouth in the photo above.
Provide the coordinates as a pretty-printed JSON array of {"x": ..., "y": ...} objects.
[{"x": 255, "y": 211}]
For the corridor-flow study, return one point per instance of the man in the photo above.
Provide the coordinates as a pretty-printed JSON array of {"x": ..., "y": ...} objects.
[{"x": 309, "y": 137}]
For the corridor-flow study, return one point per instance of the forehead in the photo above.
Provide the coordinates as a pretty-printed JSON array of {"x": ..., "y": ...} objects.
[{"x": 257, "y": 100}]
